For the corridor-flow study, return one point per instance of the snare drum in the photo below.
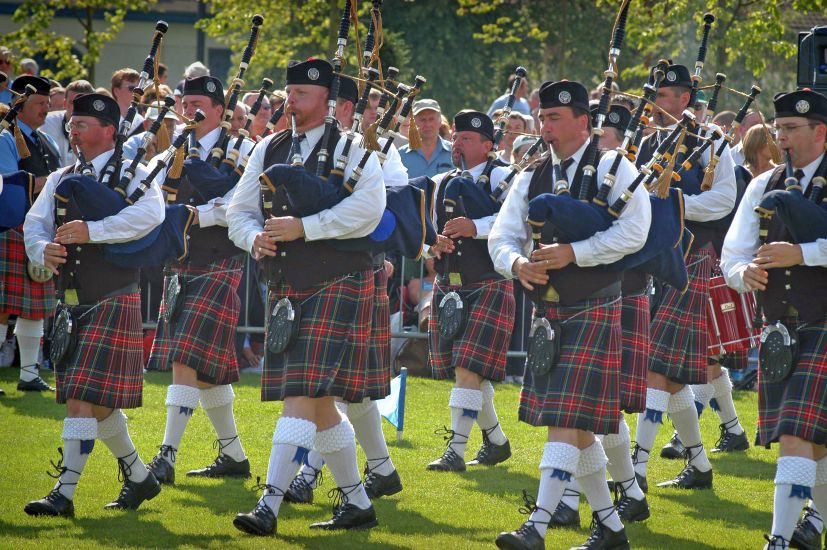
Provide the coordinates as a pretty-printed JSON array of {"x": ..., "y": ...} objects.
[{"x": 729, "y": 319}]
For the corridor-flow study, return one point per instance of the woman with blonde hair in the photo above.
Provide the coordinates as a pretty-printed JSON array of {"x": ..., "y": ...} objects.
[{"x": 760, "y": 151}]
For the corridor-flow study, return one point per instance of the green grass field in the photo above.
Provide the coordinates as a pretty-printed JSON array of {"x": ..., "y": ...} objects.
[{"x": 435, "y": 510}]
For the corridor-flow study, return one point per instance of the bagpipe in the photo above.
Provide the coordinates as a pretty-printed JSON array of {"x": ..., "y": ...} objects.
[
  {"x": 405, "y": 225},
  {"x": 113, "y": 165},
  {"x": 95, "y": 201},
  {"x": 16, "y": 198}
]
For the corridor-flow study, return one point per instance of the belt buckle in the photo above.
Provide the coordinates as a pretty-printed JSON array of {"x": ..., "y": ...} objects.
[{"x": 551, "y": 294}]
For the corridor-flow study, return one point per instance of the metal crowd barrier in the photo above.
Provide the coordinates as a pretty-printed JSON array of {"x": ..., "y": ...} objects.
[{"x": 248, "y": 292}]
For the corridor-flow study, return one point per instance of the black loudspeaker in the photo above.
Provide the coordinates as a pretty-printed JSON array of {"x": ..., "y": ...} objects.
[{"x": 812, "y": 59}]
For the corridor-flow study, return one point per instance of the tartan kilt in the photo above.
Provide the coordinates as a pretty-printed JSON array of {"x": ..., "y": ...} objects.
[
  {"x": 482, "y": 346},
  {"x": 107, "y": 368},
  {"x": 380, "y": 329},
  {"x": 634, "y": 323},
  {"x": 19, "y": 295},
  {"x": 678, "y": 330},
  {"x": 583, "y": 390},
  {"x": 331, "y": 354},
  {"x": 202, "y": 337},
  {"x": 797, "y": 406}
]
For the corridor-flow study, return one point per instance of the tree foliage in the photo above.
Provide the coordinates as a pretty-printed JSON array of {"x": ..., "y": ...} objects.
[{"x": 36, "y": 35}]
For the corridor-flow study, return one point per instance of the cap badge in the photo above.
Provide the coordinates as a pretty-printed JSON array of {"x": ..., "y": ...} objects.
[
  {"x": 564, "y": 97},
  {"x": 210, "y": 86},
  {"x": 98, "y": 105},
  {"x": 476, "y": 122},
  {"x": 671, "y": 76},
  {"x": 313, "y": 73},
  {"x": 802, "y": 106},
  {"x": 614, "y": 118}
]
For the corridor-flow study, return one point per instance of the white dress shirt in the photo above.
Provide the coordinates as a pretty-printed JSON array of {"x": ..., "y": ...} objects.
[
  {"x": 131, "y": 223},
  {"x": 483, "y": 225},
  {"x": 55, "y": 127},
  {"x": 510, "y": 237},
  {"x": 355, "y": 216},
  {"x": 742, "y": 240},
  {"x": 214, "y": 212}
]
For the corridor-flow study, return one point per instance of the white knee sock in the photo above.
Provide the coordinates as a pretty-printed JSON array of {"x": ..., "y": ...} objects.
[
  {"x": 337, "y": 445},
  {"x": 367, "y": 424},
  {"x": 487, "y": 419},
  {"x": 723, "y": 404},
  {"x": 218, "y": 404},
  {"x": 648, "y": 424},
  {"x": 114, "y": 433},
  {"x": 311, "y": 470},
  {"x": 292, "y": 440},
  {"x": 557, "y": 468},
  {"x": 465, "y": 406},
  {"x": 620, "y": 464},
  {"x": 591, "y": 472},
  {"x": 684, "y": 416},
  {"x": 794, "y": 479},
  {"x": 181, "y": 403},
  {"x": 79, "y": 436},
  {"x": 703, "y": 393},
  {"x": 571, "y": 494},
  {"x": 28, "y": 332},
  {"x": 819, "y": 494}
]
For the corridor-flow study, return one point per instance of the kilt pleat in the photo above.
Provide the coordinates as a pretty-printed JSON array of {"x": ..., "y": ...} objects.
[
  {"x": 634, "y": 322},
  {"x": 380, "y": 333},
  {"x": 678, "y": 330},
  {"x": 331, "y": 356},
  {"x": 202, "y": 336},
  {"x": 19, "y": 295},
  {"x": 482, "y": 346},
  {"x": 797, "y": 406},
  {"x": 107, "y": 366},
  {"x": 583, "y": 390}
]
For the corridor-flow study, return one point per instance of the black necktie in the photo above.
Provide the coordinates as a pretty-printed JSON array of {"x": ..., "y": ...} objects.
[
  {"x": 799, "y": 175},
  {"x": 565, "y": 167},
  {"x": 38, "y": 144}
]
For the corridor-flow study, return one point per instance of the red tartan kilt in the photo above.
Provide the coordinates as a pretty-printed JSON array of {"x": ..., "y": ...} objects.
[
  {"x": 679, "y": 332},
  {"x": 330, "y": 355},
  {"x": 634, "y": 322},
  {"x": 380, "y": 334},
  {"x": 19, "y": 295},
  {"x": 583, "y": 390},
  {"x": 797, "y": 406},
  {"x": 107, "y": 367},
  {"x": 482, "y": 346},
  {"x": 202, "y": 336}
]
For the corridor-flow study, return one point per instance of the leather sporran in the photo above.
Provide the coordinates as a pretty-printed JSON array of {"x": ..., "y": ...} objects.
[
  {"x": 778, "y": 352},
  {"x": 173, "y": 297},
  {"x": 451, "y": 316},
  {"x": 543, "y": 345},
  {"x": 37, "y": 273},
  {"x": 64, "y": 337},
  {"x": 283, "y": 326}
]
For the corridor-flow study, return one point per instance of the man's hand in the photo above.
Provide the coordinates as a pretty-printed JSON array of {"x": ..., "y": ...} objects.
[
  {"x": 460, "y": 227},
  {"x": 285, "y": 229},
  {"x": 779, "y": 254},
  {"x": 388, "y": 269},
  {"x": 194, "y": 211},
  {"x": 74, "y": 232},
  {"x": 755, "y": 277},
  {"x": 553, "y": 256},
  {"x": 530, "y": 273},
  {"x": 263, "y": 245},
  {"x": 443, "y": 245},
  {"x": 54, "y": 255}
]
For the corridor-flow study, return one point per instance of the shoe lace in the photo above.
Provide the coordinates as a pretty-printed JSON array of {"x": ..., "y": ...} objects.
[
  {"x": 59, "y": 470},
  {"x": 221, "y": 445},
  {"x": 370, "y": 472},
  {"x": 268, "y": 491},
  {"x": 165, "y": 451},
  {"x": 125, "y": 469},
  {"x": 597, "y": 526},
  {"x": 621, "y": 500},
  {"x": 726, "y": 435},
  {"x": 635, "y": 453},
  {"x": 776, "y": 542},
  {"x": 449, "y": 435},
  {"x": 340, "y": 497},
  {"x": 688, "y": 457},
  {"x": 810, "y": 512},
  {"x": 301, "y": 482},
  {"x": 528, "y": 508},
  {"x": 486, "y": 448}
]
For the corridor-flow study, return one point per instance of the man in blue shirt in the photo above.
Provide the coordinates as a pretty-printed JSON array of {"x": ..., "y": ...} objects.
[
  {"x": 520, "y": 103},
  {"x": 434, "y": 157}
]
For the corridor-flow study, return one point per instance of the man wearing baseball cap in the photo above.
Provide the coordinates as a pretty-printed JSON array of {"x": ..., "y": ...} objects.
[{"x": 434, "y": 156}]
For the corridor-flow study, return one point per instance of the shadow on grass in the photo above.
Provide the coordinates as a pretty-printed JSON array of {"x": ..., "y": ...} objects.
[
  {"x": 703, "y": 505},
  {"x": 499, "y": 480},
  {"x": 31, "y": 404},
  {"x": 640, "y": 532},
  {"x": 221, "y": 498}
]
